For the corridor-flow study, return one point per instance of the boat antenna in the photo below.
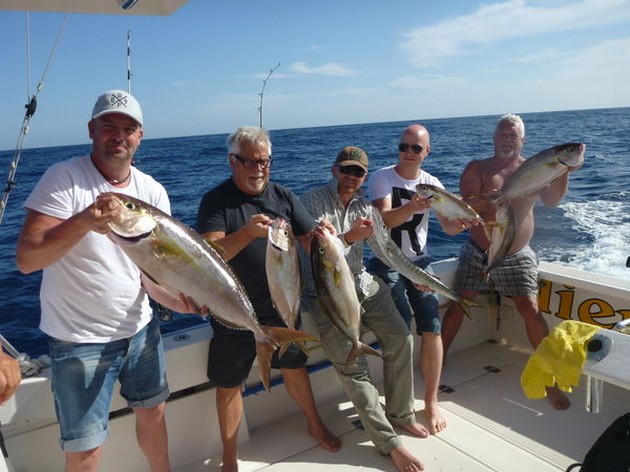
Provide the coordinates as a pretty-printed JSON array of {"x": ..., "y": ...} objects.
[
  {"x": 129, "y": 74},
  {"x": 262, "y": 93},
  {"x": 31, "y": 107}
]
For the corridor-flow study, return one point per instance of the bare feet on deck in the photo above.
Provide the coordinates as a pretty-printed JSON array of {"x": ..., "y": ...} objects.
[
  {"x": 416, "y": 429},
  {"x": 557, "y": 398},
  {"x": 229, "y": 466},
  {"x": 434, "y": 418},
  {"x": 326, "y": 439},
  {"x": 405, "y": 461}
]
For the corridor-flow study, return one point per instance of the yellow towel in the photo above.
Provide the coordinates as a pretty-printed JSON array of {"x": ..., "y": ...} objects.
[{"x": 558, "y": 359}]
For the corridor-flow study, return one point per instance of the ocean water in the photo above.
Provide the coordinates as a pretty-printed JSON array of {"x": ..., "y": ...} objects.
[{"x": 589, "y": 230}]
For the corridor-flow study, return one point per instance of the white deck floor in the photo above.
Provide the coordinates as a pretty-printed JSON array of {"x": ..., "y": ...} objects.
[{"x": 492, "y": 426}]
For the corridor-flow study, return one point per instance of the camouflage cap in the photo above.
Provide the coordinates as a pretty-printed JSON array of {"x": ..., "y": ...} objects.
[{"x": 352, "y": 156}]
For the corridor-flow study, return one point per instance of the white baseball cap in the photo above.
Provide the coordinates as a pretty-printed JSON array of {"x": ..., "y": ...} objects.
[{"x": 117, "y": 101}]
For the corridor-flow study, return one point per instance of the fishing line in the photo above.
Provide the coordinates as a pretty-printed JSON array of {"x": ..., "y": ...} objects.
[{"x": 31, "y": 107}]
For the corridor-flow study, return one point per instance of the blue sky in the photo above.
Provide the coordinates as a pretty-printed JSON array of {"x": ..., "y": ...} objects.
[{"x": 200, "y": 70}]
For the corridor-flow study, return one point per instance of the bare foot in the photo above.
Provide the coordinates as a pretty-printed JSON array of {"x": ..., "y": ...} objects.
[
  {"x": 404, "y": 460},
  {"x": 557, "y": 398},
  {"x": 434, "y": 418},
  {"x": 326, "y": 439},
  {"x": 229, "y": 466},
  {"x": 416, "y": 429}
]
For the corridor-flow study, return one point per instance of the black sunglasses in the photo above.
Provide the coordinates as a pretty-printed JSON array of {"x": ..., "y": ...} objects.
[
  {"x": 251, "y": 163},
  {"x": 416, "y": 148},
  {"x": 356, "y": 171}
]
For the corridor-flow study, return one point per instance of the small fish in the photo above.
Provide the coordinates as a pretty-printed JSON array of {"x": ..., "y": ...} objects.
[
  {"x": 177, "y": 258},
  {"x": 540, "y": 170},
  {"x": 284, "y": 277},
  {"x": 283, "y": 271},
  {"x": 386, "y": 249},
  {"x": 336, "y": 289},
  {"x": 448, "y": 204},
  {"x": 500, "y": 233}
]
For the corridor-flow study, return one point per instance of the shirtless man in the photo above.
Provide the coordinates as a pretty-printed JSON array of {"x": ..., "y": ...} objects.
[{"x": 517, "y": 275}]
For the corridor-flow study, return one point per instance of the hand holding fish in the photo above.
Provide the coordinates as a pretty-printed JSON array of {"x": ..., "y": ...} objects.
[
  {"x": 362, "y": 228},
  {"x": 182, "y": 304},
  {"x": 258, "y": 226},
  {"x": 419, "y": 203},
  {"x": 327, "y": 225},
  {"x": 100, "y": 213}
]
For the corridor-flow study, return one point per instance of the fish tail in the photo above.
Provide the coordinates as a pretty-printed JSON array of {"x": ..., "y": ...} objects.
[
  {"x": 282, "y": 335},
  {"x": 466, "y": 304},
  {"x": 360, "y": 349},
  {"x": 264, "y": 352}
]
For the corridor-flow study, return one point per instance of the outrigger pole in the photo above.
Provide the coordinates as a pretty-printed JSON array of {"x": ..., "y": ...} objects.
[
  {"x": 129, "y": 74},
  {"x": 261, "y": 94}
]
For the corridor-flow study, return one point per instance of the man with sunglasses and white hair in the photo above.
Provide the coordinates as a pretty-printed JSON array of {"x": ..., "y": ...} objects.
[
  {"x": 392, "y": 190},
  {"x": 237, "y": 214}
]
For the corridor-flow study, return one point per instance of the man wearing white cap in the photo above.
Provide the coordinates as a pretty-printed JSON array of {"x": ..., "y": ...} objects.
[{"x": 93, "y": 307}]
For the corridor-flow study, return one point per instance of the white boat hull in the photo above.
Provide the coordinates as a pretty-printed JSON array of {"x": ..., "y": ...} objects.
[{"x": 492, "y": 426}]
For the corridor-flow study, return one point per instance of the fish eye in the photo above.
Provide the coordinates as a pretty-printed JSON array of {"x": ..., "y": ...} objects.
[
  {"x": 321, "y": 250},
  {"x": 130, "y": 205}
]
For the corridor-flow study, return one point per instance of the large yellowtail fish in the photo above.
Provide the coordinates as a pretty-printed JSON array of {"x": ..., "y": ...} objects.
[
  {"x": 448, "y": 204},
  {"x": 540, "y": 170},
  {"x": 336, "y": 290},
  {"x": 179, "y": 260},
  {"x": 387, "y": 251}
]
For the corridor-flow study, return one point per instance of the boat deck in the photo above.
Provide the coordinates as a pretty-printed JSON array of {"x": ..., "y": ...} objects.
[{"x": 492, "y": 426}]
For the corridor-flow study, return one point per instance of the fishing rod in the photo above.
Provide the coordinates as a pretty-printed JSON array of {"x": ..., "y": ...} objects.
[
  {"x": 31, "y": 107},
  {"x": 262, "y": 93},
  {"x": 129, "y": 74}
]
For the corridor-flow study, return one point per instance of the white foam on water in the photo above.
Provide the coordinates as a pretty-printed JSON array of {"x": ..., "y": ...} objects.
[{"x": 609, "y": 225}]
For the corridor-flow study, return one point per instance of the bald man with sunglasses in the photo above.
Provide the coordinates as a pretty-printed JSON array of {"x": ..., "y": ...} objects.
[{"x": 392, "y": 190}]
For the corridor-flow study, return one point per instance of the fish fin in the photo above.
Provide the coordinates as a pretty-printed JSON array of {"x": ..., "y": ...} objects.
[
  {"x": 283, "y": 335},
  {"x": 216, "y": 246},
  {"x": 301, "y": 345},
  {"x": 466, "y": 304},
  {"x": 359, "y": 349},
  {"x": 264, "y": 352}
]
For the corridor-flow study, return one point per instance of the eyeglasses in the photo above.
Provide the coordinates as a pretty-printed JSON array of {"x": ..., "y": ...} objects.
[
  {"x": 252, "y": 163},
  {"x": 416, "y": 148},
  {"x": 355, "y": 171}
]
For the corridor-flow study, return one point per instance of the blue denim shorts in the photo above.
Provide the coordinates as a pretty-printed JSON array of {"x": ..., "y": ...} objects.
[{"x": 83, "y": 377}]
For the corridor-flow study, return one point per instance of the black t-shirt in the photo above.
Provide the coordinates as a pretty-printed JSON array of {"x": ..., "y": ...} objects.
[{"x": 226, "y": 208}]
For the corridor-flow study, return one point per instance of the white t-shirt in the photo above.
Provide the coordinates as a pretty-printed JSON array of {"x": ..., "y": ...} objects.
[
  {"x": 93, "y": 292},
  {"x": 411, "y": 236}
]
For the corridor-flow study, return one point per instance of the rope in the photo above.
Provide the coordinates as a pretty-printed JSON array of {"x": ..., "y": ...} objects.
[
  {"x": 31, "y": 107},
  {"x": 28, "y": 366}
]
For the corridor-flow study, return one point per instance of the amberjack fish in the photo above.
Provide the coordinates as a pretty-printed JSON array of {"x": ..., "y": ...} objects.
[
  {"x": 282, "y": 265},
  {"x": 336, "y": 289},
  {"x": 448, "y": 204},
  {"x": 540, "y": 170},
  {"x": 178, "y": 259},
  {"x": 387, "y": 251}
]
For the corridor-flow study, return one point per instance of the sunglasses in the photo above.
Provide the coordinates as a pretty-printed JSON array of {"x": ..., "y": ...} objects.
[
  {"x": 252, "y": 163},
  {"x": 416, "y": 148},
  {"x": 355, "y": 171}
]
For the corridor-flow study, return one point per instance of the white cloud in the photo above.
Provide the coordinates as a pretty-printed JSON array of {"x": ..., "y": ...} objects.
[
  {"x": 332, "y": 68},
  {"x": 491, "y": 23}
]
